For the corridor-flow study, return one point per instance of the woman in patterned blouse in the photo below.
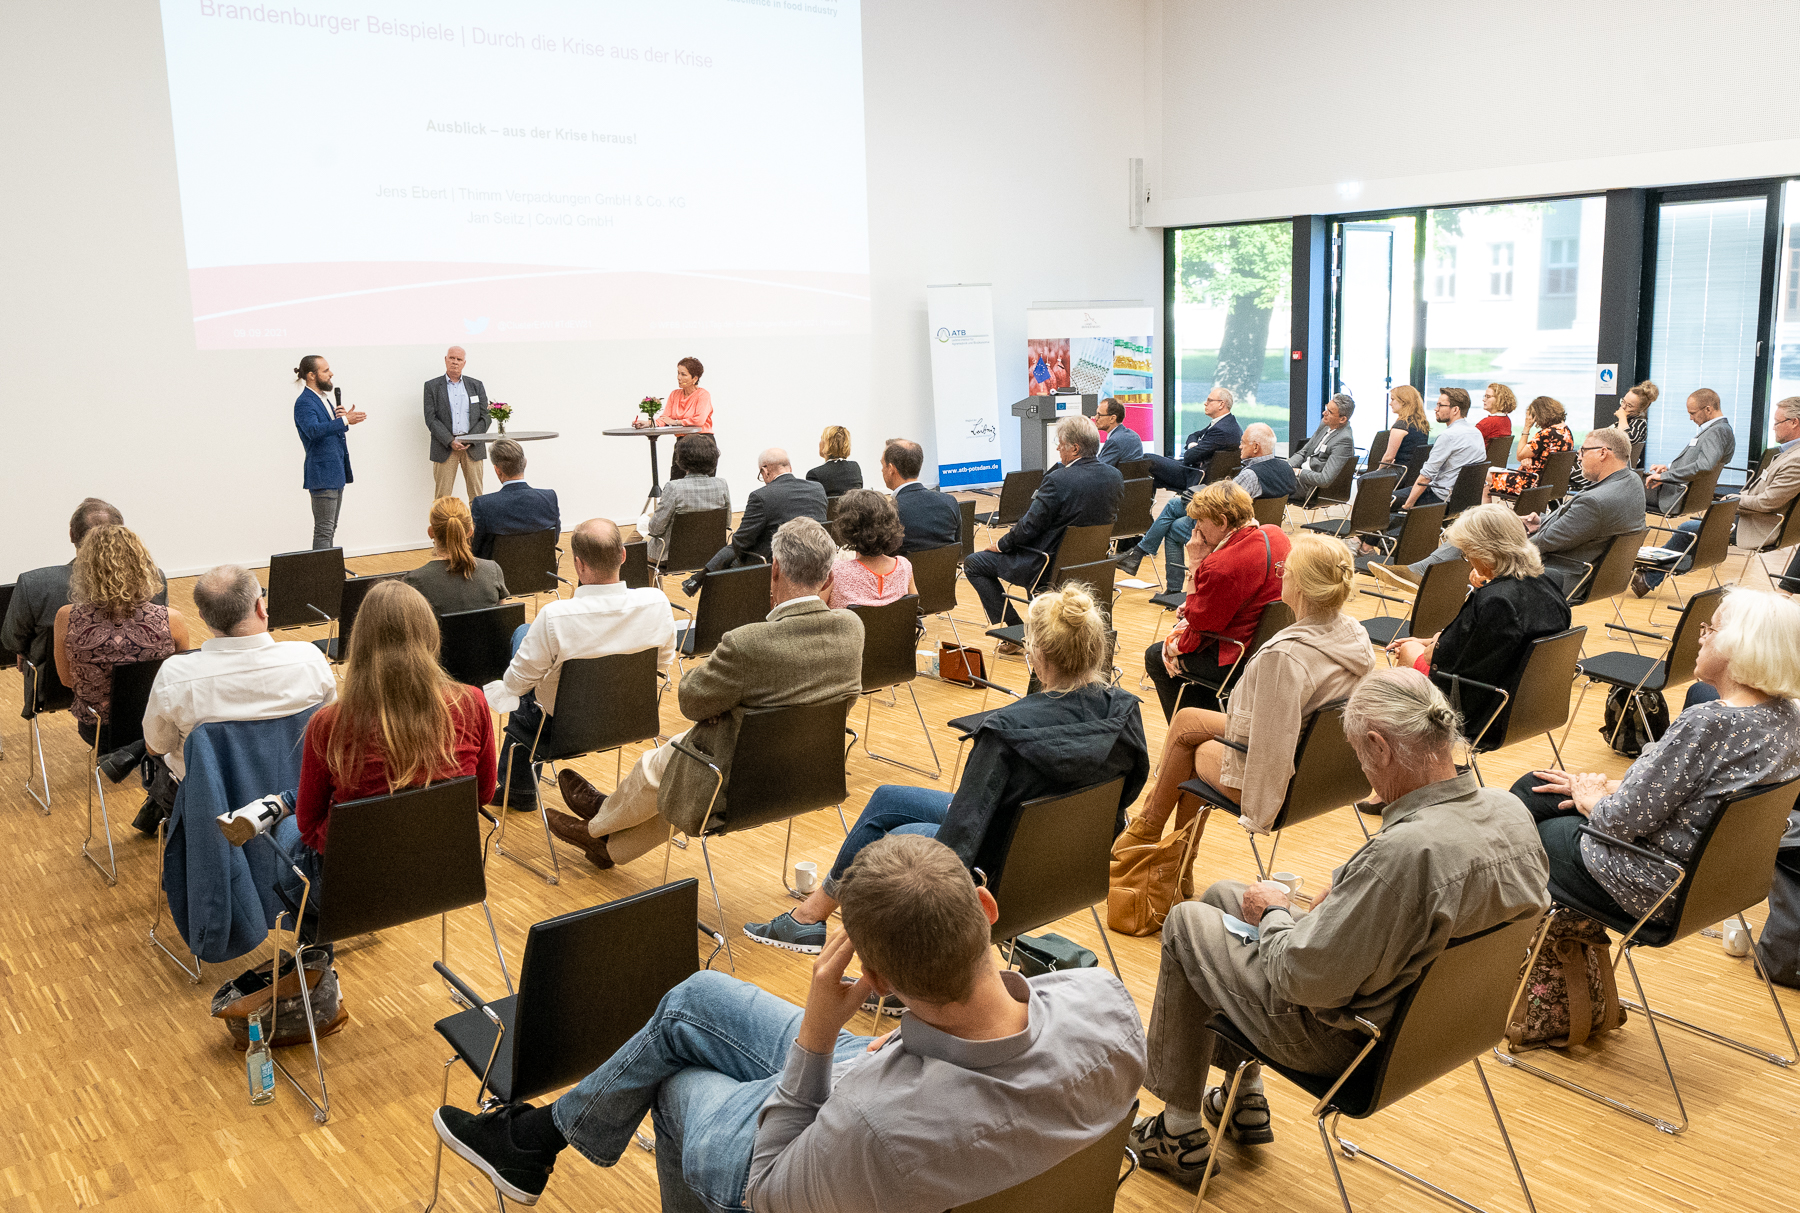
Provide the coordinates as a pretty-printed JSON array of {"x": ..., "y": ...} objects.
[
  {"x": 1549, "y": 419},
  {"x": 1749, "y": 735}
]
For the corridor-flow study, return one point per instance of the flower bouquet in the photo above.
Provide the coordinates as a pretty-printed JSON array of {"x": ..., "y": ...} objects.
[
  {"x": 501, "y": 413},
  {"x": 650, "y": 406}
]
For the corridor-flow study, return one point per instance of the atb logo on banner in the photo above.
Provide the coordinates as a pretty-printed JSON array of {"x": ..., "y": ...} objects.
[{"x": 965, "y": 385}]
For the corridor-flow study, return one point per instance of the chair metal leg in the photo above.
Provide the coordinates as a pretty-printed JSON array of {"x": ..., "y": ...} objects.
[
  {"x": 1212, "y": 1156},
  {"x": 717, "y": 904},
  {"x": 193, "y": 974},
  {"x": 321, "y": 1106},
  {"x": 437, "y": 1165},
  {"x": 1775, "y": 1059},
  {"x": 1110, "y": 958},
  {"x": 37, "y": 743},
  {"x": 110, "y": 869},
  {"x": 554, "y": 875},
  {"x": 1262, "y": 870},
  {"x": 498, "y": 954},
  {"x": 937, "y": 770}
]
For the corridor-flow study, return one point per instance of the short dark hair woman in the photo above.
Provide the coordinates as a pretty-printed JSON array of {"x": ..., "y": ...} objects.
[{"x": 876, "y": 573}]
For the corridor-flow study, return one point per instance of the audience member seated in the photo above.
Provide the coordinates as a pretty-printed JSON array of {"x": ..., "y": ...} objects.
[
  {"x": 1410, "y": 429},
  {"x": 696, "y": 489},
  {"x": 990, "y": 1080},
  {"x": 782, "y": 497},
  {"x": 1332, "y": 446},
  {"x": 40, "y": 593},
  {"x": 805, "y": 652},
  {"x": 839, "y": 473},
  {"x": 1079, "y": 491},
  {"x": 869, "y": 526},
  {"x": 1549, "y": 419},
  {"x": 1171, "y": 531},
  {"x": 604, "y": 616},
  {"x": 111, "y": 619},
  {"x": 1121, "y": 444},
  {"x": 1760, "y": 505},
  {"x": 1222, "y": 433},
  {"x": 1237, "y": 572},
  {"x": 1712, "y": 750},
  {"x": 1498, "y": 402},
  {"x": 1633, "y": 418},
  {"x": 931, "y": 519},
  {"x": 1452, "y": 859},
  {"x": 1264, "y": 473},
  {"x": 1459, "y": 445},
  {"x": 1712, "y": 447},
  {"x": 1077, "y": 731},
  {"x": 455, "y": 579},
  {"x": 515, "y": 508},
  {"x": 1249, "y": 755}
]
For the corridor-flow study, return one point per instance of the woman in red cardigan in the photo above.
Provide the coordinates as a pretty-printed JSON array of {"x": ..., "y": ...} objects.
[{"x": 1236, "y": 569}]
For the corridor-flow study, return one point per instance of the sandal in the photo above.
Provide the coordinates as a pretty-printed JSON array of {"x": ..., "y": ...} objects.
[{"x": 1250, "y": 1124}]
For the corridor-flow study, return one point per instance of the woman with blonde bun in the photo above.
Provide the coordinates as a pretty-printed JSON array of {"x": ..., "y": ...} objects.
[
  {"x": 1077, "y": 731},
  {"x": 455, "y": 579}
]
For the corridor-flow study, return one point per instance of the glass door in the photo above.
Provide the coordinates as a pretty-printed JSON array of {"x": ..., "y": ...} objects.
[{"x": 1373, "y": 308}]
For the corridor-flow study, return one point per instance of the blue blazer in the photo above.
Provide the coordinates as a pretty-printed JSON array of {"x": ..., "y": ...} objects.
[
  {"x": 322, "y": 434},
  {"x": 516, "y": 509}
]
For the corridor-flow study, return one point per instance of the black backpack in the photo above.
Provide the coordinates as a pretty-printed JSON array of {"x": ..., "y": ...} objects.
[{"x": 1631, "y": 738}]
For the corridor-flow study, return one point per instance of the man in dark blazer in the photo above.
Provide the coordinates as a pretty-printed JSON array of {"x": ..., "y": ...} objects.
[
  {"x": 1224, "y": 434},
  {"x": 39, "y": 593},
  {"x": 1082, "y": 491},
  {"x": 455, "y": 404},
  {"x": 931, "y": 519},
  {"x": 782, "y": 496},
  {"x": 517, "y": 508},
  {"x": 322, "y": 425},
  {"x": 1120, "y": 444}
]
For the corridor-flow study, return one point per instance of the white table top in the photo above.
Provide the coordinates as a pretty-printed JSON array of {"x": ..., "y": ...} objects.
[{"x": 515, "y": 435}]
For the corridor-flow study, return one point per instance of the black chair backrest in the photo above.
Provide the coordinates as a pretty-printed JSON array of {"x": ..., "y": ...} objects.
[
  {"x": 1372, "y": 506},
  {"x": 694, "y": 538},
  {"x": 1056, "y": 859},
  {"x": 1275, "y": 616},
  {"x": 1768, "y": 456},
  {"x": 1788, "y": 533},
  {"x": 1134, "y": 469},
  {"x": 605, "y": 702},
  {"x": 1135, "y": 516},
  {"x": 1612, "y": 573},
  {"x": 1327, "y": 775},
  {"x": 476, "y": 646},
  {"x": 1080, "y": 545},
  {"x": 1378, "y": 446},
  {"x": 1540, "y": 691},
  {"x": 636, "y": 571},
  {"x": 1099, "y": 575},
  {"x": 966, "y": 507},
  {"x": 934, "y": 573},
  {"x": 890, "y": 632},
  {"x": 1499, "y": 450},
  {"x": 131, "y": 683},
  {"x": 591, "y": 980},
  {"x": 728, "y": 598},
  {"x": 1466, "y": 493},
  {"x": 1269, "y": 511},
  {"x": 1087, "y": 1181},
  {"x": 1413, "y": 462},
  {"x": 1684, "y": 645},
  {"x": 1534, "y": 500},
  {"x": 1418, "y": 534},
  {"x": 1224, "y": 465},
  {"x": 6, "y": 593},
  {"x": 397, "y": 859},
  {"x": 1335, "y": 493},
  {"x": 299, "y": 581},
  {"x": 1440, "y": 597},
  {"x": 1016, "y": 492},
  {"x": 528, "y": 561},
  {"x": 788, "y": 760},
  {"x": 1555, "y": 471},
  {"x": 1699, "y": 492},
  {"x": 350, "y": 605},
  {"x": 44, "y": 690},
  {"x": 1734, "y": 862},
  {"x": 1713, "y": 544}
]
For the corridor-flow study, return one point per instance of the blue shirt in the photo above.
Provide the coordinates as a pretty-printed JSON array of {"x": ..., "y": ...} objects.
[{"x": 458, "y": 392}]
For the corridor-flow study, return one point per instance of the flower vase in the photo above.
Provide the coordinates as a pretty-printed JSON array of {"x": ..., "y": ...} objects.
[{"x": 503, "y": 427}]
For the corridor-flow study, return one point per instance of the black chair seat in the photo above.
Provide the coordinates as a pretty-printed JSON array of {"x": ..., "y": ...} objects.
[
  {"x": 1014, "y": 634},
  {"x": 1652, "y": 936},
  {"x": 1352, "y": 1099},
  {"x": 966, "y": 725},
  {"x": 472, "y": 1034},
  {"x": 1337, "y": 528},
  {"x": 1169, "y": 601},
  {"x": 1210, "y": 794},
  {"x": 1625, "y": 669},
  {"x": 1385, "y": 629}
]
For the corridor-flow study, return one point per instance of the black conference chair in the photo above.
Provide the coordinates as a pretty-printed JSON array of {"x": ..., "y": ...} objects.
[
  {"x": 602, "y": 703},
  {"x": 966, "y": 509},
  {"x": 1499, "y": 450},
  {"x": 589, "y": 981},
  {"x": 1731, "y": 870},
  {"x": 1370, "y": 509},
  {"x": 529, "y": 562},
  {"x": 1711, "y": 545},
  {"x": 787, "y": 761},
  {"x": 934, "y": 573},
  {"x": 475, "y": 647},
  {"x": 693, "y": 539},
  {"x": 1269, "y": 511},
  {"x": 131, "y": 683},
  {"x": 1057, "y": 861},
  {"x": 1636, "y": 672},
  {"x": 1535, "y": 700},
  {"x": 1337, "y": 492},
  {"x": 1378, "y": 451},
  {"x": 1609, "y": 576},
  {"x": 1696, "y": 495},
  {"x": 1135, "y": 514},
  {"x": 43, "y": 692},
  {"x": 1224, "y": 465},
  {"x": 1080, "y": 545},
  {"x": 1785, "y": 536},
  {"x": 635, "y": 573},
  {"x": 349, "y": 606},
  {"x": 1440, "y": 596},
  {"x": 1418, "y": 538},
  {"x": 7, "y": 656},
  {"x": 1465, "y": 494},
  {"x": 1534, "y": 500},
  {"x": 728, "y": 598},
  {"x": 1134, "y": 469},
  {"x": 1556, "y": 471},
  {"x": 1275, "y": 616},
  {"x": 889, "y": 660},
  {"x": 306, "y": 588},
  {"x": 1451, "y": 1015},
  {"x": 1014, "y": 497},
  {"x": 1326, "y": 776},
  {"x": 392, "y": 860},
  {"x": 1085, "y": 1182}
]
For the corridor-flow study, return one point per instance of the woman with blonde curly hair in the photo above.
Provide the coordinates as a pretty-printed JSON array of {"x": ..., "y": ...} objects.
[
  {"x": 111, "y": 620},
  {"x": 1550, "y": 419},
  {"x": 455, "y": 578},
  {"x": 1499, "y": 402},
  {"x": 1076, "y": 731},
  {"x": 1411, "y": 424}
]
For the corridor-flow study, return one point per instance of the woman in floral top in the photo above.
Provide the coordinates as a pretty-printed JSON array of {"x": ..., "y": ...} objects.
[
  {"x": 1749, "y": 735},
  {"x": 1548, "y": 418}
]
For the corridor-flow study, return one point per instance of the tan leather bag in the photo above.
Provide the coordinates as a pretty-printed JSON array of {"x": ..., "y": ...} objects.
[
  {"x": 956, "y": 662},
  {"x": 1149, "y": 876}
]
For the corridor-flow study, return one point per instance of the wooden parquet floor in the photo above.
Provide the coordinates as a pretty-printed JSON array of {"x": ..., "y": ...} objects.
[{"x": 121, "y": 1093}]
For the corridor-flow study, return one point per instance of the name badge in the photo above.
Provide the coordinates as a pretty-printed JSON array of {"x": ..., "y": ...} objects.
[{"x": 474, "y": 400}]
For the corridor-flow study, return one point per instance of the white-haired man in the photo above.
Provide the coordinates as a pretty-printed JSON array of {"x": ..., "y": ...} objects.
[
  {"x": 1220, "y": 434},
  {"x": 1264, "y": 473},
  {"x": 455, "y": 404}
]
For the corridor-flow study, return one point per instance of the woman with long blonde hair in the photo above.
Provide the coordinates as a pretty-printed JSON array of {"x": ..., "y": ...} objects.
[
  {"x": 1411, "y": 424},
  {"x": 455, "y": 579},
  {"x": 111, "y": 620}
]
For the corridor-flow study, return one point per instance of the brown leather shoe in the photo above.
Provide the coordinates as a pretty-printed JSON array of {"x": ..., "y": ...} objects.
[
  {"x": 583, "y": 798},
  {"x": 574, "y": 831}
]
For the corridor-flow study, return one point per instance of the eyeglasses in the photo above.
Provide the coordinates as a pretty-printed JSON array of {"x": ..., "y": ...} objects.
[
  {"x": 1707, "y": 629},
  {"x": 1589, "y": 450}
]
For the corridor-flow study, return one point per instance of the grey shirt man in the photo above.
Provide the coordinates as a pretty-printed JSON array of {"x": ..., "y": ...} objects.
[
  {"x": 1324, "y": 456},
  {"x": 1711, "y": 446}
]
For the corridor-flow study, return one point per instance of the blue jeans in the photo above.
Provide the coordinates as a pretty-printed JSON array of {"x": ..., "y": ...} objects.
[
  {"x": 1681, "y": 541},
  {"x": 522, "y": 728},
  {"x": 893, "y": 809},
  {"x": 703, "y": 1066},
  {"x": 1172, "y": 529}
]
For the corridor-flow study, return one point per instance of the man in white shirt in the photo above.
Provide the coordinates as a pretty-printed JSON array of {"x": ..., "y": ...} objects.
[{"x": 604, "y": 617}]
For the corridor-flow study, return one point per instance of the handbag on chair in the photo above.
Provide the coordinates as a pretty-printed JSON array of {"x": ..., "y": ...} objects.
[
  {"x": 1571, "y": 995},
  {"x": 1149, "y": 876}
]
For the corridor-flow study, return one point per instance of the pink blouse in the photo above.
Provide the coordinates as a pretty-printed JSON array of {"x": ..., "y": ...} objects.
[
  {"x": 852, "y": 584},
  {"x": 688, "y": 408}
]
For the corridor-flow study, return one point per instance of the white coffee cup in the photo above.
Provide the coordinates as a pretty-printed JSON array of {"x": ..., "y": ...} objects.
[
  {"x": 1737, "y": 939},
  {"x": 1293, "y": 882},
  {"x": 806, "y": 875}
]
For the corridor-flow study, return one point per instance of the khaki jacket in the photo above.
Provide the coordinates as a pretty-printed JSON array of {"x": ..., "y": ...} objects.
[{"x": 1761, "y": 504}]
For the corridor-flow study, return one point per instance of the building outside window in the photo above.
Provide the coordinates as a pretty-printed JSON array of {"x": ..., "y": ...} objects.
[
  {"x": 1500, "y": 268},
  {"x": 1443, "y": 278}
]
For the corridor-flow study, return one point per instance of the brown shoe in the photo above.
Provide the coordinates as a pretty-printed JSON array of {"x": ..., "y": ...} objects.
[
  {"x": 1640, "y": 585},
  {"x": 583, "y": 798},
  {"x": 574, "y": 831},
  {"x": 1008, "y": 648}
]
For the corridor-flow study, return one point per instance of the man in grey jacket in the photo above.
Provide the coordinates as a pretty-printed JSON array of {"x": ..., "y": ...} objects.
[
  {"x": 455, "y": 404},
  {"x": 990, "y": 1079},
  {"x": 1710, "y": 448},
  {"x": 1452, "y": 858},
  {"x": 1330, "y": 449}
]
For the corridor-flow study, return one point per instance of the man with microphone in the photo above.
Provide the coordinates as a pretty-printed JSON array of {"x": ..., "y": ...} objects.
[
  {"x": 455, "y": 404},
  {"x": 322, "y": 424}
]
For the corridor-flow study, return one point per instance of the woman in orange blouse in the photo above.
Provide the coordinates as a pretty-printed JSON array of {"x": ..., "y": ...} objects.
[
  {"x": 1548, "y": 418},
  {"x": 689, "y": 404}
]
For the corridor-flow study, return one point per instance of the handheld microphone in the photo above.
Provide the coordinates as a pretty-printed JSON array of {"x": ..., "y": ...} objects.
[{"x": 337, "y": 397}]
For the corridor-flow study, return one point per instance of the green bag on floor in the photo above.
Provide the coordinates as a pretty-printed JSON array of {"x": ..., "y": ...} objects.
[{"x": 1038, "y": 954}]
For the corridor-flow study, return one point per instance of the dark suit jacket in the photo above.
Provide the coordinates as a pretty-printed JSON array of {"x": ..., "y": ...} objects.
[
  {"x": 838, "y": 476},
  {"x": 322, "y": 434},
  {"x": 785, "y": 497},
  {"x": 516, "y": 509},
  {"x": 31, "y": 617},
  {"x": 437, "y": 416},
  {"x": 1121, "y": 446},
  {"x": 932, "y": 519},
  {"x": 1083, "y": 493},
  {"x": 1576, "y": 535},
  {"x": 1224, "y": 434}
]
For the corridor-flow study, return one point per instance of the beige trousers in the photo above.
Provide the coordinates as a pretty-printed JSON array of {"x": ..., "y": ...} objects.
[
  {"x": 443, "y": 475},
  {"x": 628, "y": 819}
]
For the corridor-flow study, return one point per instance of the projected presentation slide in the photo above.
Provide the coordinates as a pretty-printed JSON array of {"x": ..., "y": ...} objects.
[{"x": 526, "y": 170}]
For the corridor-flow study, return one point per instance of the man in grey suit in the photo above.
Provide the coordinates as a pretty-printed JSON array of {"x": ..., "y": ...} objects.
[
  {"x": 39, "y": 593},
  {"x": 783, "y": 496},
  {"x": 1712, "y": 447},
  {"x": 455, "y": 404},
  {"x": 1330, "y": 449},
  {"x": 804, "y": 652},
  {"x": 1118, "y": 443}
]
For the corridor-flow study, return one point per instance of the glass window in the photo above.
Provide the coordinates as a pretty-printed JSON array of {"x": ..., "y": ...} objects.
[
  {"x": 1785, "y": 365},
  {"x": 1374, "y": 310},
  {"x": 1500, "y": 267},
  {"x": 1231, "y": 326},
  {"x": 1443, "y": 276}
]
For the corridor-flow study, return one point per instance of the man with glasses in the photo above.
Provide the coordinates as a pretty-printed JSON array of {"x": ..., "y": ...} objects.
[
  {"x": 1121, "y": 443},
  {"x": 1760, "y": 507},
  {"x": 1222, "y": 434},
  {"x": 783, "y": 496},
  {"x": 1330, "y": 449},
  {"x": 1712, "y": 447},
  {"x": 1460, "y": 445}
]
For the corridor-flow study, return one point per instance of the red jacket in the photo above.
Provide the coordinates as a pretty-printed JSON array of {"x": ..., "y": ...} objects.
[
  {"x": 1494, "y": 425},
  {"x": 1232, "y": 585}
]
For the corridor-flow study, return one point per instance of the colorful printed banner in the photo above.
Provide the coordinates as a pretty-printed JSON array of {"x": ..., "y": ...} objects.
[{"x": 1104, "y": 350}]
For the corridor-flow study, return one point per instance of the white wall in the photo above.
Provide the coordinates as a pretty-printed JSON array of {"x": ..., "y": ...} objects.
[
  {"x": 997, "y": 140},
  {"x": 1316, "y": 106}
]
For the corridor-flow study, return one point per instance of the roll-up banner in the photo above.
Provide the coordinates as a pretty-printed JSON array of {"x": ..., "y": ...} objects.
[
  {"x": 965, "y": 384},
  {"x": 1104, "y": 350}
]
